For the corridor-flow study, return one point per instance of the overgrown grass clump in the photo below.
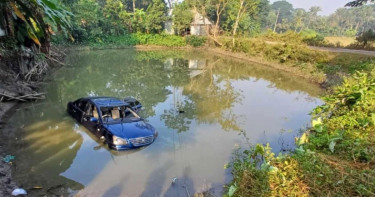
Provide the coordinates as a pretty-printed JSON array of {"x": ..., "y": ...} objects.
[
  {"x": 336, "y": 157},
  {"x": 293, "y": 52}
]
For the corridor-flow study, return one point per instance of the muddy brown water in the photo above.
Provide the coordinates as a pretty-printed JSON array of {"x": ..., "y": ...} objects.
[{"x": 203, "y": 106}]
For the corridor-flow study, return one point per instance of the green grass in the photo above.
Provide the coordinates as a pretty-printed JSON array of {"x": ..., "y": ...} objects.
[
  {"x": 130, "y": 40},
  {"x": 290, "y": 50}
]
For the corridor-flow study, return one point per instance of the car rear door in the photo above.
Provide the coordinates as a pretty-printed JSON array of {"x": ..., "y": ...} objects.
[{"x": 78, "y": 109}]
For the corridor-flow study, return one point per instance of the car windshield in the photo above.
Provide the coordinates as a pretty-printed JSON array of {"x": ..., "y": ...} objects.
[{"x": 118, "y": 113}]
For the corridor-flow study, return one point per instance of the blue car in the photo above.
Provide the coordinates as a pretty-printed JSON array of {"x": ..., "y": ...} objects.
[{"x": 114, "y": 121}]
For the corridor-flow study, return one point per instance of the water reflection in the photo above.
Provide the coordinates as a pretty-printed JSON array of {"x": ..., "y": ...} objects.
[{"x": 198, "y": 102}]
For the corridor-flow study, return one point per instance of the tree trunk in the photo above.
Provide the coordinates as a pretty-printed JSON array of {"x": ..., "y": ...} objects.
[
  {"x": 9, "y": 22},
  {"x": 277, "y": 18},
  {"x": 237, "y": 21},
  {"x": 133, "y": 9},
  {"x": 217, "y": 25}
]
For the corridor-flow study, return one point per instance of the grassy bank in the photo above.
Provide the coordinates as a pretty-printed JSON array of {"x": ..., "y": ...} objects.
[
  {"x": 334, "y": 158},
  {"x": 131, "y": 40},
  {"x": 290, "y": 50}
]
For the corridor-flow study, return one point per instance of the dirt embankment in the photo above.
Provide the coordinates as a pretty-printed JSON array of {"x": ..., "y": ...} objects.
[
  {"x": 290, "y": 69},
  {"x": 21, "y": 75}
]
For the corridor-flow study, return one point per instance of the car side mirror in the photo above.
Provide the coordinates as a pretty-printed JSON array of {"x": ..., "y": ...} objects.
[{"x": 92, "y": 119}]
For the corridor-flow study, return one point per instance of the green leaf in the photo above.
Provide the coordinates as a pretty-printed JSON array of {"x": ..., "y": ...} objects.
[
  {"x": 259, "y": 149},
  {"x": 332, "y": 146},
  {"x": 318, "y": 128},
  {"x": 317, "y": 121},
  {"x": 303, "y": 139},
  {"x": 232, "y": 189}
]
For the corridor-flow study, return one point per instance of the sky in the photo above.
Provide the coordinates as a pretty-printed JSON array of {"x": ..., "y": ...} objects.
[{"x": 328, "y": 6}]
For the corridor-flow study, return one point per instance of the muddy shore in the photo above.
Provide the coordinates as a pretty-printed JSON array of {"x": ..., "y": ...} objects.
[
  {"x": 7, "y": 185},
  {"x": 13, "y": 89}
]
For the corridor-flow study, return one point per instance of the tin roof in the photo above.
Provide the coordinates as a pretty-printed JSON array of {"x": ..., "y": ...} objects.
[{"x": 198, "y": 19}]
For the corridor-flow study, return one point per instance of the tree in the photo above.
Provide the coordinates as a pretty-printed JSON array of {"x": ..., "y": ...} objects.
[
  {"x": 219, "y": 6},
  {"x": 357, "y": 3},
  {"x": 243, "y": 6},
  {"x": 299, "y": 19},
  {"x": 182, "y": 17},
  {"x": 366, "y": 38},
  {"x": 156, "y": 16},
  {"x": 86, "y": 19},
  {"x": 87, "y": 13},
  {"x": 313, "y": 14},
  {"x": 112, "y": 11},
  {"x": 284, "y": 13},
  {"x": 33, "y": 20}
]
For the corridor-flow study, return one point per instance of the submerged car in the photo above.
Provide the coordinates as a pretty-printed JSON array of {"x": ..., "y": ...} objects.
[{"x": 114, "y": 121}]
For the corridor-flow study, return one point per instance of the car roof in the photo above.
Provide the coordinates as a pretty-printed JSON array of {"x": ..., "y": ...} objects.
[{"x": 106, "y": 101}]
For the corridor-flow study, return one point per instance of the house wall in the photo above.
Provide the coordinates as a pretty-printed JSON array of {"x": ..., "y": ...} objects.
[
  {"x": 198, "y": 30},
  {"x": 168, "y": 28}
]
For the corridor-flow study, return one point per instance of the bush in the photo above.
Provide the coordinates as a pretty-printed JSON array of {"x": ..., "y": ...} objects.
[
  {"x": 135, "y": 39},
  {"x": 289, "y": 37},
  {"x": 195, "y": 41},
  {"x": 351, "y": 32},
  {"x": 346, "y": 123},
  {"x": 160, "y": 40},
  {"x": 311, "y": 37},
  {"x": 366, "y": 38},
  {"x": 280, "y": 52}
]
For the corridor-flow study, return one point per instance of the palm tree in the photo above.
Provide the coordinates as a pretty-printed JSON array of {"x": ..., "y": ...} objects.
[
  {"x": 357, "y": 3},
  {"x": 32, "y": 20}
]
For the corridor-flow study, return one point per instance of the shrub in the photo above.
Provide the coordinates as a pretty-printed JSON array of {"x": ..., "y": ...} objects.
[
  {"x": 195, "y": 41},
  {"x": 280, "y": 52},
  {"x": 345, "y": 124},
  {"x": 351, "y": 32},
  {"x": 366, "y": 38},
  {"x": 311, "y": 37},
  {"x": 288, "y": 37}
]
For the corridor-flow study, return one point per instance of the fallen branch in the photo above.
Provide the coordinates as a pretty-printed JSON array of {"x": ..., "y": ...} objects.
[
  {"x": 55, "y": 60},
  {"x": 23, "y": 98},
  {"x": 216, "y": 41}
]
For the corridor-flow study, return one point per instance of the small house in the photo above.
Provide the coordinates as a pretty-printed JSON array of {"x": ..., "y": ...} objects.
[{"x": 200, "y": 25}]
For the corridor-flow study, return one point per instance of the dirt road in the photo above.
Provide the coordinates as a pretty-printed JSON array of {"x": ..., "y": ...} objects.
[{"x": 340, "y": 50}]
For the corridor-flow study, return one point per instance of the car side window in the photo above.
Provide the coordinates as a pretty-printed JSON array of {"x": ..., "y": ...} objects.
[
  {"x": 81, "y": 105},
  {"x": 89, "y": 110}
]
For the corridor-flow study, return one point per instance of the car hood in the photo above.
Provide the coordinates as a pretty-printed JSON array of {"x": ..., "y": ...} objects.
[{"x": 130, "y": 129}]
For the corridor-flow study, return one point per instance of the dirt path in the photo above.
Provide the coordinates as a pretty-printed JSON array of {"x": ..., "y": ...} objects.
[{"x": 340, "y": 50}]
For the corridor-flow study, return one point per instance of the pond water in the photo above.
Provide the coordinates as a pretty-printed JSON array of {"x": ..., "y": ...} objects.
[{"x": 204, "y": 107}]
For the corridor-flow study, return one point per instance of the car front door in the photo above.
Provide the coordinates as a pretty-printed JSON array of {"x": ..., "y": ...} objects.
[{"x": 90, "y": 118}]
